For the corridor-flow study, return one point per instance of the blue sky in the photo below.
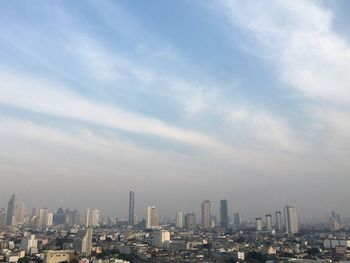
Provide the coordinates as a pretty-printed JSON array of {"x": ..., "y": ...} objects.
[{"x": 197, "y": 99}]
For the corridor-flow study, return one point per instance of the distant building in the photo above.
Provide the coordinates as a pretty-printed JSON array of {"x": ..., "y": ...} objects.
[
  {"x": 278, "y": 222},
  {"x": 131, "y": 208},
  {"x": 291, "y": 220},
  {"x": 160, "y": 238},
  {"x": 223, "y": 213},
  {"x": 29, "y": 243},
  {"x": 258, "y": 224},
  {"x": 334, "y": 224},
  {"x": 10, "y": 219},
  {"x": 2, "y": 217},
  {"x": 43, "y": 218},
  {"x": 236, "y": 219},
  {"x": 19, "y": 213},
  {"x": 86, "y": 243},
  {"x": 92, "y": 217},
  {"x": 152, "y": 219},
  {"x": 58, "y": 217},
  {"x": 180, "y": 219},
  {"x": 52, "y": 256},
  {"x": 191, "y": 222},
  {"x": 268, "y": 222},
  {"x": 206, "y": 215}
]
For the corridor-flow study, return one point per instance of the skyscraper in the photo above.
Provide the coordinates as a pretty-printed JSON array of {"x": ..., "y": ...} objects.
[
  {"x": 278, "y": 223},
  {"x": 236, "y": 219},
  {"x": 92, "y": 217},
  {"x": 86, "y": 243},
  {"x": 44, "y": 218},
  {"x": 131, "y": 208},
  {"x": 191, "y": 222},
  {"x": 206, "y": 216},
  {"x": 268, "y": 222},
  {"x": 258, "y": 224},
  {"x": 223, "y": 213},
  {"x": 180, "y": 220},
  {"x": 10, "y": 211},
  {"x": 152, "y": 219},
  {"x": 19, "y": 213},
  {"x": 290, "y": 215}
]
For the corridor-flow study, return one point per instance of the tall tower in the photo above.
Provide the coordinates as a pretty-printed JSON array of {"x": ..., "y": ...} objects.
[
  {"x": 237, "y": 219},
  {"x": 86, "y": 243},
  {"x": 223, "y": 213},
  {"x": 152, "y": 220},
  {"x": 278, "y": 223},
  {"x": 131, "y": 208},
  {"x": 10, "y": 210},
  {"x": 268, "y": 222},
  {"x": 258, "y": 224},
  {"x": 206, "y": 216},
  {"x": 180, "y": 219},
  {"x": 19, "y": 213},
  {"x": 290, "y": 216},
  {"x": 191, "y": 222},
  {"x": 92, "y": 217}
]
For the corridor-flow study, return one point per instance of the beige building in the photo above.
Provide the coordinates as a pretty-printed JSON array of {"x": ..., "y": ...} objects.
[
  {"x": 53, "y": 256},
  {"x": 206, "y": 216},
  {"x": 152, "y": 219}
]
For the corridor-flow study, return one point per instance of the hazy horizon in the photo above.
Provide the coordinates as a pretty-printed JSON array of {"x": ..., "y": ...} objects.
[{"x": 178, "y": 101}]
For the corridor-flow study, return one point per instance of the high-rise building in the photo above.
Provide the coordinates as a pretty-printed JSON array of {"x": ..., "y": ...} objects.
[
  {"x": 92, "y": 217},
  {"x": 42, "y": 218},
  {"x": 223, "y": 213},
  {"x": 10, "y": 220},
  {"x": 86, "y": 243},
  {"x": 160, "y": 238},
  {"x": 2, "y": 217},
  {"x": 236, "y": 219},
  {"x": 152, "y": 219},
  {"x": 291, "y": 220},
  {"x": 278, "y": 223},
  {"x": 131, "y": 208},
  {"x": 206, "y": 216},
  {"x": 268, "y": 222},
  {"x": 58, "y": 217},
  {"x": 180, "y": 219},
  {"x": 334, "y": 224},
  {"x": 29, "y": 243},
  {"x": 258, "y": 224},
  {"x": 190, "y": 221},
  {"x": 19, "y": 213}
]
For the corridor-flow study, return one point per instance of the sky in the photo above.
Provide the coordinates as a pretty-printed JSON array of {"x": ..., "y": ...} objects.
[{"x": 179, "y": 101}]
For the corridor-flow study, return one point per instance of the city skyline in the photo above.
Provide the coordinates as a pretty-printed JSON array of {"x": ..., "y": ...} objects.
[
  {"x": 90, "y": 217},
  {"x": 180, "y": 101}
]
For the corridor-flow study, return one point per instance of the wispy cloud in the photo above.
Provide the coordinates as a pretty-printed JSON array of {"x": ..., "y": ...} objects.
[{"x": 298, "y": 37}]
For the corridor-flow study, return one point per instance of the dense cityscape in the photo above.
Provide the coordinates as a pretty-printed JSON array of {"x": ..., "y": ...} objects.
[
  {"x": 43, "y": 236},
  {"x": 174, "y": 131}
]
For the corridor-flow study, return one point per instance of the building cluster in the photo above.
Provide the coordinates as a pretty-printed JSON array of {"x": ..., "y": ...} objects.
[{"x": 66, "y": 236}]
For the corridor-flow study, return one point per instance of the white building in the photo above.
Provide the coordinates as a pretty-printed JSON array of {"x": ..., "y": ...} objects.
[
  {"x": 291, "y": 220},
  {"x": 258, "y": 224},
  {"x": 160, "y": 238},
  {"x": 180, "y": 219},
  {"x": 92, "y": 217},
  {"x": 268, "y": 222},
  {"x": 29, "y": 243}
]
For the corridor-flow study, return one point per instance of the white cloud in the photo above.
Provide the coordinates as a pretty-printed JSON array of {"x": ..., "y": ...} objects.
[
  {"x": 49, "y": 98},
  {"x": 298, "y": 37}
]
